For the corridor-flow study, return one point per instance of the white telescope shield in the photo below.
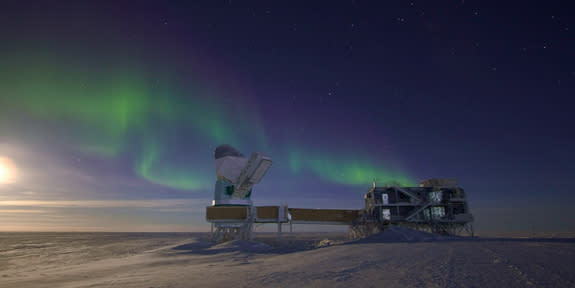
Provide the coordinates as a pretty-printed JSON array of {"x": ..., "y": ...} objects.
[{"x": 237, "y": 175}]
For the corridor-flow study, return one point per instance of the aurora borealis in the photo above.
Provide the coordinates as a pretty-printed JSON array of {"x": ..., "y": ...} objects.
[
  {"x": 126, "y": 102},
  {"x": 115, "y": 114},
  {"x": 126, "y": 115}
]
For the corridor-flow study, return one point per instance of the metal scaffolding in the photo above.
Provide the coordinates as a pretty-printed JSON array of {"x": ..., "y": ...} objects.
[{"x": 437, "y": 206}]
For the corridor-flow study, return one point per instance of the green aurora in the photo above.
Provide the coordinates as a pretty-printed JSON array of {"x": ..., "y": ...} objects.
[
  {"x": 106, "y": 114},
  {"x": 112, "y": 112},
  {"x": 344, "y": 171},
  {"x": 175, "y": 177}
]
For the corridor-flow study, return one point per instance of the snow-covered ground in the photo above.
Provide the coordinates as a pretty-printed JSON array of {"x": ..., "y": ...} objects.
[{"x": 398, "y": 257}]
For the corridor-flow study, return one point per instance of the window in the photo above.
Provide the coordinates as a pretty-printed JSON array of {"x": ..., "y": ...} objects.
[
  {"x": 386, "y": 214},
  {"x": 435, "y": 196},
  {"x": 437, "y": 212},
  {"x": 384, "y": 199}
]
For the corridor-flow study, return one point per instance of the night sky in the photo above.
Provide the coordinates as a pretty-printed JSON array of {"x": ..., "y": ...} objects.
[{"x": 110, "y": 111}]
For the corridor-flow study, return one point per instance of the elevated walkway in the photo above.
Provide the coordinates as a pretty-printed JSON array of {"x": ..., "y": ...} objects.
[
  {"x": 236, "y": 222},
  {"x": 280, "y": 214}
]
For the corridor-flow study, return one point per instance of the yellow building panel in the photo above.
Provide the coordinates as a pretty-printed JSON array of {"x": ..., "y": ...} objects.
[
  {"x": 226, "y": 212},
  {"x": 268, "y": 212},
  {"x": 323, "y": 215}
]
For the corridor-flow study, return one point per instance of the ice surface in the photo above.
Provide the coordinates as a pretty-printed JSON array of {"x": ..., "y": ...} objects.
[
  {"x": 243, "y": 246},
  {"x": 403, "y": 234},
  {"x": 398, "y": 257}
]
